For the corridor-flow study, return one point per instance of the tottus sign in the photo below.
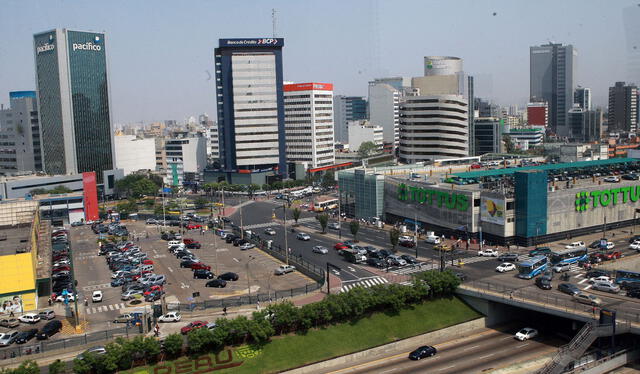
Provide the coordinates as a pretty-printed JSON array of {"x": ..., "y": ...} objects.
[
  {"x": 612, "y": 196},
  {"x": 449, "y": 200}
]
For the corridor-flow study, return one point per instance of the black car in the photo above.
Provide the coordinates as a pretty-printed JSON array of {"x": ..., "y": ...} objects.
[
  {"x": 461, "y": 276},
  {"x": 49, "y": 329},
  {"x": 383, "y": 253},
  {"x": 231, "y": 238},
  {"x": 568, "y": 288},
  {"x": 635, "y": 293},
  {"x": 228, "y": 276},
  {"x": 596, "y": 243},
  {"x": 538, "y": 251},
  {"x": 634, "y": 238},
  {"x": 508, "y": 257},
  {"x": 543, "y": 283},
  {"x": 25, "y": 336},
  {"x": 194, "y": 245},
  {"x": 409, "y": 259},
  {"x": 238, "y": 242},
  {"x": 217, "y": 283},
  {"x": 167, "y": 236},
  {"x": 422, "y": 352},
  {"x": 202, "y": 274},
  {"x": 376, "y": 262},
  {"x": 187, "y": 263},
  {"x": 182, "y": 254}
]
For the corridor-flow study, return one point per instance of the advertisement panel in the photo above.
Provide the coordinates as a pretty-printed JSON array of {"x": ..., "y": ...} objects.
[
  {"x": 492, "y": 210},
  {"x": 90, "y": 192},
  {"x": 10, "y": 304}
]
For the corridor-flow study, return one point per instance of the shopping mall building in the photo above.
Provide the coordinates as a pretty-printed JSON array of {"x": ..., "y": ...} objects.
[{"x": 518, "y": 205}]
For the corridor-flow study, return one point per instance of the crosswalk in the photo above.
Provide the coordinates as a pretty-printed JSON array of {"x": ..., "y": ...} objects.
[
  {"x": 104, "y": 308},
  {"x": 363, "y": 282},
  {"x": 275, "y": 224},
  {"x": 96, "y": 287}
]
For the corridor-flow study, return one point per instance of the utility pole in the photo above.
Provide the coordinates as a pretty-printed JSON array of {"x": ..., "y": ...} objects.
[
  {"x": 241, "y": 225},
  {"x": 415, "y": 224},
  {"x": 339, "y": 214},
  {"x": 286, "y": 246}
]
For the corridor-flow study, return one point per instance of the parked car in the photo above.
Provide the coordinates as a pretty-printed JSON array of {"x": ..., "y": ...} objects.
[
  {"x": 192, "y": 326},
  {"x": 50, "y": 329},
  {"x": 340, "y": 247},
  {"x": 488, "y": 252},
  {"x": 320, "y": 249},
  {"x": 376, "y": 262},
  {"x": 508, "y": 257},
  {"x": 217, "y": 283},
  {"x": 433, "y": 239},
  {"x": 8, "y": 338},
  {"x": 543, "y": 283},
  {"x": 47, "y": 314},
  {"x": 202, "y": 274},
  {"x": 588, "y": 299},
  {"x": 170, "y": 317},
  {"x": 601, "y": 278},
  {"x": 29, "y": 318},
  {"x": 303, "y": 236},
  {"x": 123, "y": 318},
  {"x": 611, "y": 179},
  {"x": 284, "y": 269},
  {"x": 334, "y": 225},
  {"x": 526, "y": 334},
  {"x": 423, "y": 352},
  {"x": 200, "y": 265},
  {"x": 409, "y": 259},
  {"x": 194, "y": 245},
  {"x": 25, "y": 336},
  {"x": 130, "y": 295},
  {"x": 394, "y": 260},
  {"x": 575, "y": 245},
  {"x": 568, "y": 288},
  {"x": 506, "y": 266},
  {"x": 246, "y": 246},
  {"x": 269, "y": 231},
  {"x": 229, "y": 276}
]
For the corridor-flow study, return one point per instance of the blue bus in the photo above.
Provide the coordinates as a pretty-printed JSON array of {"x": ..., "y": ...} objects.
[
  {"x": 528, "y": 269},
  {"x": 625, "y": 278},
  {"x": 570, "y": 256}
]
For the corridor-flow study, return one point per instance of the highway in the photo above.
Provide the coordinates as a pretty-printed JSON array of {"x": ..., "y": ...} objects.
[{"x": 490, "y": 349}]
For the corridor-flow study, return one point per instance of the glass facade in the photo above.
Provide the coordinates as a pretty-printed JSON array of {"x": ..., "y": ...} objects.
[
  {"x": 361, "y": 194},
  {"x": 49, "y": 103},
  {"x": 531, "y": 203}
]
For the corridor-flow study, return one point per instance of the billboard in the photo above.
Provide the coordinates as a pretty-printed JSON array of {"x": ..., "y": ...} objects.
[
  {"x": 492, "y": 210},
  {"x": 10, "y": 304},
  {"x": 90, "y": 192}
]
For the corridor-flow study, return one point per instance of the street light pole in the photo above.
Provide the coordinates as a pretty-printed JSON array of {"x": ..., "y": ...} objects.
[
  {"x": 415, "y": 224},
  {"x": 248, "y": 280},
  {"x": 339, "y": 214},
  {"x": 286, "y": 245}
]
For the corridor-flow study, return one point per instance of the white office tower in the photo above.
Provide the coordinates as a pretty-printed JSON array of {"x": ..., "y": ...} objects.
[
  {"x": 434, "y": 121},
  {"x": 384, "y": 109},
  {"x": 308, "y": 118}
]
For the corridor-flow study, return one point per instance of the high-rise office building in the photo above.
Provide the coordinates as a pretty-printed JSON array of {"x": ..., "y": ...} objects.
[
  {"x": 488, "y": 135},
  {"x": 73, "y": 102},
  {"x": 586, "y": 125},
  {"x": 623, "y": 107},
  {"x": 20, "y": 134},
  {"x": 250, "y": 100},
  {"x": 582, "y": 97},
  {"x": 345, "y": 109},
  {"x": 551, "y": 79},
  {"x": 309, "y": 123},
  {"x": 384, "y": 110},
  {"x": 434, "y": 120}
]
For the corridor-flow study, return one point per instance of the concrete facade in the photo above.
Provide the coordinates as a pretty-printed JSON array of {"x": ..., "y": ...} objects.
[
  {"x": 384, "y": 110},
  {"x": 20, "y": 135},
  {"x": 133, "y": 154},
  {"x": 362, "y": 131}
]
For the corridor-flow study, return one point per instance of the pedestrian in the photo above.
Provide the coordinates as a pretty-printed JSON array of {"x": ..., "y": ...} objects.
[
  {"x": 86, "y": 302},
  {"x": 594, "y": 312},
  {"x": 49, "y": 300},
  {"x": 11, "y": 314},
  {"x": 511, "y": 295},
  {"x": 147, "y": 235},
  {"x": 258, "y": 305},
  {"x": 224, "y": 311}
]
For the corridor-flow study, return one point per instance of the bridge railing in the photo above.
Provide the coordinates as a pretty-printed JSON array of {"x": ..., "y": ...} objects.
[{"x": 548, "y": 300}]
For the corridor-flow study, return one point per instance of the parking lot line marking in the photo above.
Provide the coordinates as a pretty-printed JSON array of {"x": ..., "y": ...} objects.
[
  {"x": 110, "y": 307},
  {"x": 579, "y": 276},
  {"x": 586, "y": 288},
  {"x": 236, "y": 260},
  {"x": 489, "y": 355},
  {"x": 582, "y": 281},
  {"x": 170, "y": 269}
]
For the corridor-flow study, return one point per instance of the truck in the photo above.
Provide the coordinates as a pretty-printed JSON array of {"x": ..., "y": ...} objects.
[{"x": 353, "y": 256}]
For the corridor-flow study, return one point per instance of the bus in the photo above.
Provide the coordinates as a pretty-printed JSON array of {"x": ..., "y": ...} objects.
[
  {"x": 570, "y": 256},
  {"x": 530, "y": 268},
  {"x": 327, "y": 204},
  {"x": 625, "y": 277}
]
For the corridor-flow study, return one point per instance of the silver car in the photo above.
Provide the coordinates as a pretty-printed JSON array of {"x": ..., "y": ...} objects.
[
  {"x": 606, "y": 287},
  {"x": 8, "y": 338},
  {"x": 320, "y": 249},
  {"x": 128, "y": 295}
]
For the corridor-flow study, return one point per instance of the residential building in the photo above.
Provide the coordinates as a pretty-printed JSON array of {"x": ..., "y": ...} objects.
[
  {"x": 434, "y": 120},
  {"x": 73, "y": 102},
  {"x": 623, "y": 107},
  {"x": 133, "y": 153},
  {"x": 384, "y": 109},
  {"x": 250, "y": 101},
  {"x": 20, "y": 134},
  {"x": 582, "y": 97},
  {"x": 309, "y": 124},
  {"x": 345, "y": 109},
  {"x": 538, "y": 114},
  {"x": 551, "y": 79},
  {"x": 364, "y": 131},
  {"x": 488, "y": 135},
  {"x": 185, "y": 156}
]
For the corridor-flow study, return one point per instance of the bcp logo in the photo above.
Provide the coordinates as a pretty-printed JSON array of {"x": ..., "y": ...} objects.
[{"x": 269, "y": 41}]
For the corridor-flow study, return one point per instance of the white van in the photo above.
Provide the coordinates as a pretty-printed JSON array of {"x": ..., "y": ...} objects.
[
  {"x": 432, "y": 238},
  {"x": 575, "y": 245},
  {"x": 171, "y": 243}
]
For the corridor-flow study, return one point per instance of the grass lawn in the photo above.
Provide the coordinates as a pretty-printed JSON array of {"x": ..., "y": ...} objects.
[{"x": 316, "y": 345}]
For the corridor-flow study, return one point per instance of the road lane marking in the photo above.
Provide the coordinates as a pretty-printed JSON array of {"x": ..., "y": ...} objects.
[
  {"x": 170, "y": 269},
  {"x": 236, "y": 260},
  {"x": 507, "y": 337},
  {"x": 582, "y": 281},
  {"x": 468, "y": 348},
  {"x": 447, "y": 368},
  {"x": 522, "y": 345},
  {"x": 389, "y": 371},
  {"x": 579, "y": 276},
  {"x": 489, "y": 355},
  {"x": 586, "y": 288}
]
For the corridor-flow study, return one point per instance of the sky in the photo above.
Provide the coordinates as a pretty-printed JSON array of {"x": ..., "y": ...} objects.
[{"x": 160, "y": 53}]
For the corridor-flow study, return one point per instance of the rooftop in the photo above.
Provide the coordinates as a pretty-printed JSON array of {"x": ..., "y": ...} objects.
[{"x": 14, "y": 239}]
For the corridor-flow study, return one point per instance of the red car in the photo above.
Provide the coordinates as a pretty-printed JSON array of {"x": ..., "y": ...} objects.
[
  {"x": 147, "y": 262},
  {"x": 192, "y": 326},
  {"x": 188, "y": 241},
  {"x": 612, "y": 255},
  {"x": 200, "y": 265},
  {"x": 340, "y": 247},
  {"x": 193, "y": 226},
  {"x": 61, "y": 268},
  {"x": 154, "y": 288},
  {"x": 476, "y": 166}
]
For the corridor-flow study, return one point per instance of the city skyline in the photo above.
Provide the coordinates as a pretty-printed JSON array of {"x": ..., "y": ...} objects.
[{"x": 166, "y": 70}]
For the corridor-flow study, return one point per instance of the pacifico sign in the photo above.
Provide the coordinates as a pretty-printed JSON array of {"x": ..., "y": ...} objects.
[
  {"x": 605, "y": 198},
  {"x": 88, "y": 46},
  {"x": 423, "y": 195}
]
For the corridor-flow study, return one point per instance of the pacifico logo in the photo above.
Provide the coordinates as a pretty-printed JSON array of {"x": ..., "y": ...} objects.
[
  {"x": 45, "y": 48},
  {"x": 88, "y": 46}
]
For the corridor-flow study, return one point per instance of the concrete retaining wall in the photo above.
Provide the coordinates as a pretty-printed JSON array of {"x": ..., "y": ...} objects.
[
  {"x": 631, "y": 263},
  {"x": 409, "y": 344}
]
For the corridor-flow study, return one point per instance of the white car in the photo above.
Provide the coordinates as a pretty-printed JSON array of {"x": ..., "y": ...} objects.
[
  {"x": 575, "y": 245},
  {"x": 270, "y": 231},
  {"x": 405, "y": 238},
  {"x": 320, "y": 249},
  {"x": 526, "y": 334},
  {"x": 70, "y": 296},
  {"x": 96, "y": 297},
  {"x": 170, "y": 317},
  {"x": 504, "y": 267},
  {"x": 610, "y": 245},
  {"x": 29, "y": 318},
  {"x": 635, "y": 245},
  {"x": 612, "y": 179},
  {"x": 284, "y": 269},
  {"x": 246, "y": 246},
  {"x": 334, "y": 226},
  {"x": 489, "y": 252},
  {"x": 303, "y": 236},
  {"x": 602, "y": 278}
]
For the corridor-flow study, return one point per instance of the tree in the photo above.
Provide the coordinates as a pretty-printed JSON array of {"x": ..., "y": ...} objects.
[
  {"x": 60, "y": 190},
  {"x": 354, "y": 226},
  {"x": 199, "y": 340},
  {"x": 127, "y": 207},
  {"x": 252, "y": 188},
  {"x": 394, "y": 237},
  {"x": 173, "y": 345},
  {"x": 26, "y": 367},
  {"x": 328, "y": 179},
  {"x": 367, "y": 149},
  {"x": 323, "y": 219},
  {"x": 143, "y": 187},
  {"x": 296, "y": 214},
  {"x": 38, "y": 191},
  {"x": 57, "y": 367},
  {"x": 200, "y": 202},
  {"x": 509, "y": 147}
]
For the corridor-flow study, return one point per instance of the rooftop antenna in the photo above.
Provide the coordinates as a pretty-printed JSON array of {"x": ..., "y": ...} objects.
[{"x": 273, "y": 21}]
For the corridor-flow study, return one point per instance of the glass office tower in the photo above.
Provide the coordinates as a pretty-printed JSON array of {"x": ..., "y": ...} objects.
[{"x": 73, "y": 102}]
